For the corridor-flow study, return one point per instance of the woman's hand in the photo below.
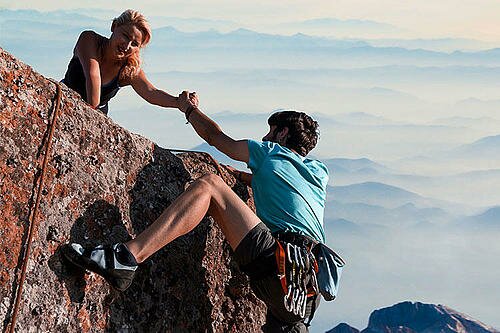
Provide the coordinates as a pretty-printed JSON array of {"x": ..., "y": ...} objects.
[{"x": 193, "y": 98}]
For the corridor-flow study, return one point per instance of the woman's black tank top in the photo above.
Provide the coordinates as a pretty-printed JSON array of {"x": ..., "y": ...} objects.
[{"x": 75, "y": 79}]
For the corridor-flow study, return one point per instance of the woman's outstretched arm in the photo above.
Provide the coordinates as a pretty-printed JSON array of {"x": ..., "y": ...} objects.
[{"x": 150, "y": 93}]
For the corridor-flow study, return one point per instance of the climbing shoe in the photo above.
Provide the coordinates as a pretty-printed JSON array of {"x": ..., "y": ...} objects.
[{"x": 113, "y": 262}]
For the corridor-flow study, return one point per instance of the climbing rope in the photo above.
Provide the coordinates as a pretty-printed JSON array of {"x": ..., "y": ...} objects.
[{"x": 33, "y": 216}]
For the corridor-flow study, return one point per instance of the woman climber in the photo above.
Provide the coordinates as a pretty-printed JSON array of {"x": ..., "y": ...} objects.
[{"x": 101, "y": 66}]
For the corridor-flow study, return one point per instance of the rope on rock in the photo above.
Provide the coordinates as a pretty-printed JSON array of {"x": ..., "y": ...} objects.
[{"x": 33, "y": 216}]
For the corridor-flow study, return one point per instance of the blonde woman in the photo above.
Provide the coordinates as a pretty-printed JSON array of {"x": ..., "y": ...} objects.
[{"x": 101, "y": 66}]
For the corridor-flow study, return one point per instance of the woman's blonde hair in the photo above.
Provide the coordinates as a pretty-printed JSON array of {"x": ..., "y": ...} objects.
[{"x": 133, "y": 17}]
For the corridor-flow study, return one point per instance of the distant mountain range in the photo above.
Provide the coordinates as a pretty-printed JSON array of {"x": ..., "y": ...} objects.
[
  {"x": 480, "y": 122},
  {"x": 358, "y": 165},
  {"x": 339, "y": 28},
  {"x": 53, "y": 35},
  {"x": 480, "y": 155},
  {"x": 436, "y": 44},
  {"x": 359, "y": 31},
  {"x": 379, "y": 194},
  {"x": 368, "y": 216},
  {"x": 362, "y": 118},
  {"x": 409, "y": 317},
  {"x": 487, "y": 147},
  {"x": 489, "y": 219},
  {"x": 472, "y": 104},
  {"x": 345, "y": 171}
]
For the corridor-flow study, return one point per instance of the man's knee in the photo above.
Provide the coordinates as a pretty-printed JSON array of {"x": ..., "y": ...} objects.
[{"x": 211, "y": 181}]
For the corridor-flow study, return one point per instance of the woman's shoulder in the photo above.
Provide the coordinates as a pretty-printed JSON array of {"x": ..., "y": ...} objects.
[
  {"x": 88, "y": 41},
  {"x": 89, "y": 37}
]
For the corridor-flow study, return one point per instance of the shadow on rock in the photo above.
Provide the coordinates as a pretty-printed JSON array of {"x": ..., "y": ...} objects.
[
  {"x": 169, "y": 289},
  {"x": 101, "y": 223}
]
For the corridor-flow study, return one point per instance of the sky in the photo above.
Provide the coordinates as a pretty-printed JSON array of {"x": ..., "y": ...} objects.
[{"x": 417, "y": 19}]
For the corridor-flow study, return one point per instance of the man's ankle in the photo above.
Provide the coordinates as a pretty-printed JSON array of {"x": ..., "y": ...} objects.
[
  {"x": 134, "y": 251},
  {"x": 124, "y": 256}
]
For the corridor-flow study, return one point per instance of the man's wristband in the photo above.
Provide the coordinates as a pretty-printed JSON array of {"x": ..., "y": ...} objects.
[{"x": 188, "y": 112}]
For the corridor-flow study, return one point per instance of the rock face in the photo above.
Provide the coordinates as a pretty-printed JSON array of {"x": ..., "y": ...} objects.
[
  {"x": 408, "y": 317},
  {"x": 104, "y": 184}
]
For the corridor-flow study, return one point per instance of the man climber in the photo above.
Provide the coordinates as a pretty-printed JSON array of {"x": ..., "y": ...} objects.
[{"x": 289, "y": 192}]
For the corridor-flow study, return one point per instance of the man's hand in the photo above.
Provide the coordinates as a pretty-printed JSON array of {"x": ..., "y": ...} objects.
[
  {"x": 187, "y": 100},
  {"x": 242, "y": 176},
  {"x": 234, "y": 171}
]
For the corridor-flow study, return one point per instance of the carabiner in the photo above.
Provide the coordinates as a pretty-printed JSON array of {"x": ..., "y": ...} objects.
[
  {"x": 288, "y": 300},
  {"x": 288, "y": 252}
]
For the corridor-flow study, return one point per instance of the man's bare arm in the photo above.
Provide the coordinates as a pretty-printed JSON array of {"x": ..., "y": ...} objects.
[{"x": 209, "y": 131}]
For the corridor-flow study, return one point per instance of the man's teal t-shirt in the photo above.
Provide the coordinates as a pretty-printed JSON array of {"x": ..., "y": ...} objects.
[{"x": 289, "y": 190}]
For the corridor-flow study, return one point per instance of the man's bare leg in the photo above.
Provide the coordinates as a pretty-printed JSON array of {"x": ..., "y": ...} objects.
[{"x": 208, "y": 194}]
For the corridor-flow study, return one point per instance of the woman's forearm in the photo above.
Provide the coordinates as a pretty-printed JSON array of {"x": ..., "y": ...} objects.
[
  {"x": 151, "y": 94},
  {"x": 92, "y": 86},
  {"x": 162, "y": 98}
]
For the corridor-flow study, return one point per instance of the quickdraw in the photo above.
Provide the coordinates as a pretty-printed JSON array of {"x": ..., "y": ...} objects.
[{"x": 297, "y": 270}]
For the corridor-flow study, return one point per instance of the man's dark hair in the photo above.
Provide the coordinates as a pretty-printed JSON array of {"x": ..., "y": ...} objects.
[{"x": 302, "y": 130}]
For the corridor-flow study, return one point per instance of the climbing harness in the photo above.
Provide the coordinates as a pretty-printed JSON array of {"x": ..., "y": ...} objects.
[
  {"x": 33, "y": 216},
  {"x": 296, "y": 269}
]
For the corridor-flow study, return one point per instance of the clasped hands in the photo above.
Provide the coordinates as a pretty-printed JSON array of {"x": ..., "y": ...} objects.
[{"x": 187, "y": 101}]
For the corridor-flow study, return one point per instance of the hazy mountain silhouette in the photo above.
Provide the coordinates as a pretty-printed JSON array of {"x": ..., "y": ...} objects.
[
  {"x": 378, "y": 194},
  {"x": 349, "y": 165},
  {"x": 489, "y": 219},
  {"x": 486, "y": 147},
  {"x": 416, "y": 317}
]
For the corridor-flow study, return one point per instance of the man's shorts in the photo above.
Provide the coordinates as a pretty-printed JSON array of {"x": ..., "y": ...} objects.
[{"x": 259, "y": 244}]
